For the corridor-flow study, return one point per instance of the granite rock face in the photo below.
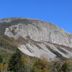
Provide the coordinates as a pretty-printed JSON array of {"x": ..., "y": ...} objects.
[{"x": 37, "y": 38}]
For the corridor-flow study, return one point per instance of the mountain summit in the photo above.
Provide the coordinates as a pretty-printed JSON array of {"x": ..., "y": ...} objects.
[{"x": 37, "y": 38}]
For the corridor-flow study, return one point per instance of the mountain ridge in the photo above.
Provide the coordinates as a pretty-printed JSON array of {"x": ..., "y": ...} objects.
[{"x": 37, "y": 38}]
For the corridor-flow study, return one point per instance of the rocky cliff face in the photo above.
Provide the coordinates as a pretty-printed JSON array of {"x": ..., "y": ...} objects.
[{"x": 37, "y": 38}]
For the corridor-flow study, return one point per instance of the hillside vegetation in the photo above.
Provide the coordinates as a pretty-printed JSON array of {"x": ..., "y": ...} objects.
[{"x": 12, "y": 60}]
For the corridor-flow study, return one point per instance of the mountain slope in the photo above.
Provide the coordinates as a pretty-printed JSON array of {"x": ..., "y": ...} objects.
[{"x": 37, "y": 38}]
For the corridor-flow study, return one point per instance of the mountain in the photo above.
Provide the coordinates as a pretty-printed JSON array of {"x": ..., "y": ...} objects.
[
  {"x": 33, "y": 39},
  {"x": 37, "y": 38}
]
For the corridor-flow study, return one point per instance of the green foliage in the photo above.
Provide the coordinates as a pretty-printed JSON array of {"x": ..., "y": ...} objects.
[
  {"x": 1, "y": 59},
  {"x": 15, "y": 63},
  {"x": 67, "y": 66},
  {"x": 57, "y": 66},
  {"x": 7, "y": 43},
  {"x": 27, "y": 63},
  {"x": 41, "y": 66}
]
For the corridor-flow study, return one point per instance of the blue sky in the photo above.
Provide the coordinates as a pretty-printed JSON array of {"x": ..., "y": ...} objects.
[{"x": 58, "y": 12}]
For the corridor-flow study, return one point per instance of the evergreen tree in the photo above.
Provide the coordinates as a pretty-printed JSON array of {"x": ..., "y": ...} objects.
[
  {"x": 15, "y": 63},
  {"x": 1, "y": 59}
]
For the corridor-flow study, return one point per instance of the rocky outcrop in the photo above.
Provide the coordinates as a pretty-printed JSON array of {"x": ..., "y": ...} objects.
[{"x": 39, "y": 38}]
